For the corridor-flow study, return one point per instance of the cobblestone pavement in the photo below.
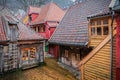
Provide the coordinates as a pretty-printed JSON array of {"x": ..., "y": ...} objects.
[{"x": 52, "y": 71}]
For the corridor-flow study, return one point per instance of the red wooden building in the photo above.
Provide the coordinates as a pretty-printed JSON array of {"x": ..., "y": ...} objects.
[{"x": 44, "y": 20}]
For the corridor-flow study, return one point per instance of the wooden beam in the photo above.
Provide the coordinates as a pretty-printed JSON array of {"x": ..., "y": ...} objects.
[{"x": 95, "y": 50}]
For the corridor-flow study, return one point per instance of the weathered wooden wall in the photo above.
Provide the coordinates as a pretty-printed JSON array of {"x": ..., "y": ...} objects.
[
  {"x": 11, "y": 57},
  {"x": 1, "y": 58}
]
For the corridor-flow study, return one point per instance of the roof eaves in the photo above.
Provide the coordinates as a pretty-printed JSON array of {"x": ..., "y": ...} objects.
[
  {"x": 32, "y": 39},
  {"x": 41, "y": 22},
  {"x": 70, "y": 43},
  {"x": 101, "y": 15}
]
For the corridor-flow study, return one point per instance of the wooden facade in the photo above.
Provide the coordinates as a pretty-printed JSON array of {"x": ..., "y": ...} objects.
[
  {"x": 71, "y": 55},
  {"x": 97, "y": 25},
  {"x": 96, "y": 66},
  {"x": 30, "y": 54},
  {"x": 19, "y": 45},
  {"x": 45, "y": 22}
]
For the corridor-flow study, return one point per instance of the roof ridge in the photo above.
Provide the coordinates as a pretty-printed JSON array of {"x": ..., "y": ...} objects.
[{"x": 49, "y": 7}]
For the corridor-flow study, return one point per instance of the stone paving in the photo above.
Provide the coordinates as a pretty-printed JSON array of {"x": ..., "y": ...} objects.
[{"x": 51, "y": 71}]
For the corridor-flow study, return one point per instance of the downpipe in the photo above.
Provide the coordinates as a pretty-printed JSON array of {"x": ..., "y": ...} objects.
[{"x": 111, "y": 47}]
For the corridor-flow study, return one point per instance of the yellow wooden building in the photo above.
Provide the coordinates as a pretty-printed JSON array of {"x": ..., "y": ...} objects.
[{"x": 99, "y": 64}]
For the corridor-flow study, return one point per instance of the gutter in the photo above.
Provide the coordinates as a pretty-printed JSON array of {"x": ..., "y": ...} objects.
[
  {"x": 70, "y": 44},
  {"x": 111, "y": 48}
]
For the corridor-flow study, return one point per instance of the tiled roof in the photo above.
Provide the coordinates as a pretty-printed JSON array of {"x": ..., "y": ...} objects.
[
  {"x": 49, "y": 12},
  {"x": 112, "y": 4},
  {"x": 52, "y": 24},
  {"x": 25, "y": 33},
  {"x": 73, "y": 29},
  {"x": 34, "y": 10},
  {"x": 2, "y": 32},
  {"x": 115, "y": 5}
]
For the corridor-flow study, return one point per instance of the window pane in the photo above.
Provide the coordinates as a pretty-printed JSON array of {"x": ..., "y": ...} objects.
[
  {"x": 98, "y": 30},
  {"x": 99, "y": 22},
  {"x": 105, "y": 21},
  {"x": 42, "y": 28},
  {"x": 105, "y": 30},
  {"x": 92, "y": 31},
  {"x": 92, "y": 23},
  {"x": 34, "y": 28},
  {"x": 32, "y": 53}
]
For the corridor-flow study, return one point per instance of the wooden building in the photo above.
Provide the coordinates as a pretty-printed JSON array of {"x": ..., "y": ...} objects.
[
  {"x": 20, "y": 47},
  {"x": 72, "y": 34},
  {"x": 115, "y": 7},
  {"x": 44, "y": 21},
  {"x": 100, "y": 64}
]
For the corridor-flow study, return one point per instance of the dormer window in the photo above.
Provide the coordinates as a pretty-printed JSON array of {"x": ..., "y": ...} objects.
[
  {"x": 13, "y": 32},
  {"x": 41, "y": 28},
  {"x": 99, "y": 27}
]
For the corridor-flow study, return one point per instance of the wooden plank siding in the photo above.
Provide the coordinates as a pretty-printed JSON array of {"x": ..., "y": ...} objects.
[
  {"x": 96, "y": 66},
  {"x": 94, "y": 41},
  {"x": 99, "y": 65},
  {"x": 114, "y": 58}
]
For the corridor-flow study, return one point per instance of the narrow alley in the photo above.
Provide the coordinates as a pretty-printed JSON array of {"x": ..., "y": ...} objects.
[{"x": 51, "y": 71}]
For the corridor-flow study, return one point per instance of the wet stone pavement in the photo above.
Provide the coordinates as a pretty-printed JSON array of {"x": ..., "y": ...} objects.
[{"x": 51, "y": 71}]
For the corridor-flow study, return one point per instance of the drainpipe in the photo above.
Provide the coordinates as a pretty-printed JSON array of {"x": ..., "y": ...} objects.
[{"x": 111, "y": 48}]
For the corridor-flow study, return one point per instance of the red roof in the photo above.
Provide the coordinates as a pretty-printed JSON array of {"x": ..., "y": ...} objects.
[
  {"x": 2, "y": 32},
  {"x": 49, "y": 12},
  {"x": 34, "y": 10}
]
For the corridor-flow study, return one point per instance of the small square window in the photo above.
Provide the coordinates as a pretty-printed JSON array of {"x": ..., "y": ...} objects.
[
  {"x": 99, "y": 32},
  {"x": 92, "y": 23},
  {"x": 41, "y": 28},
  {"x": 99, "y": 22},
  {"x": 105, "y": 21},
  {"x": 34, "y": 28},
  {"x": 105, "y": 30},
  {"x": 93, "y": 31}
]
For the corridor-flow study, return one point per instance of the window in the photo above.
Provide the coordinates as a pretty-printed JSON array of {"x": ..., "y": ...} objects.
[
  {"x": 105, "y": 30},
  {"x": 99, "y": 27},
  {"x": 13, "y": 32},
  {"x": 32, "y": 53},
  {"x": 99, "y": 32},
  {"x": 93, "y": 31},
  {"x": 66, "y": 53},
  {"x": 92, "y": 23},
  {"x": 99, "y": 22},
  {"x": 105, "y": 21},
  {"x": 28, "y": 53},
  {"x": 41, "y": 28},
  {"x": 34, "y": 28}
]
